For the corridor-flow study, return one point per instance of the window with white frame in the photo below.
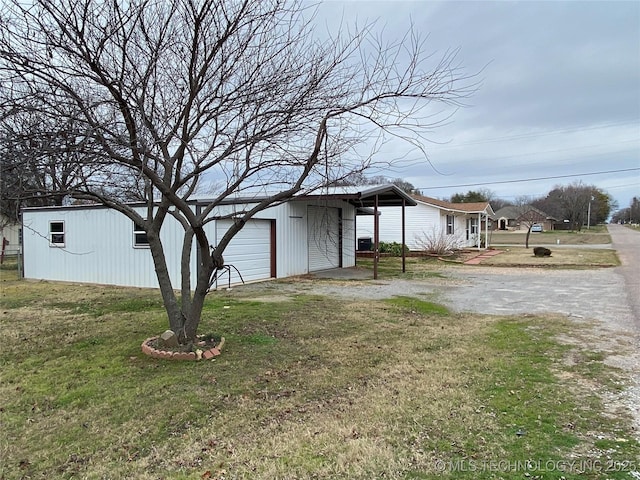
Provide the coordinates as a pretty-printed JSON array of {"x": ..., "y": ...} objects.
[
  {"x": 450, "y": 224},
  {"x": 473, "y": 225},
  {"x": 56, "y": 234},
  {"x": 139, "y": 236}
]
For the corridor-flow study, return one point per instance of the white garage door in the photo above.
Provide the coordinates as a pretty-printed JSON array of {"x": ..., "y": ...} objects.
[
  {"x": 249, "y": 251},
  {"x": 324, "y": 238}
]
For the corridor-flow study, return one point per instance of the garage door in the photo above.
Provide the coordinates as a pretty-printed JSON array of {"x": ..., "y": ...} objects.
[
  {"x": 249, "y": 251},
  {"x": 324, "y": 238}
]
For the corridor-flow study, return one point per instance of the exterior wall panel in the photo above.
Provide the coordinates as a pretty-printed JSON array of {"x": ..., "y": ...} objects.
[
  {"x": 291, "y": 233},
  {"x": 348, "y": 236},
  {"x": 98, "y": 248},
  {"x": 324, "y": 237}
]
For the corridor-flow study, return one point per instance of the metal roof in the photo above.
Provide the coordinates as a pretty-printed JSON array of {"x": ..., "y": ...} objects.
[{"x": 365, "y": 196}]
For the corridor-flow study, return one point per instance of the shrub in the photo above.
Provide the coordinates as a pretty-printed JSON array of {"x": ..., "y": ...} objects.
[{"x": 393, "y": 248}]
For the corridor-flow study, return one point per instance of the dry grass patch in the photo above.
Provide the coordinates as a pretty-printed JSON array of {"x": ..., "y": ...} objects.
[
  {"x": 594, "y": 236},
  {"x": 560, "y": 257}
]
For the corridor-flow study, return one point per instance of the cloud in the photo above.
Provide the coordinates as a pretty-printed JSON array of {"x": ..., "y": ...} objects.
[{"x": 560, "y": 91}]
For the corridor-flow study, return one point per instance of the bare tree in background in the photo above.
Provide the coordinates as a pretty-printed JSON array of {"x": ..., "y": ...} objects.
[
  {"x": 40, "y": 163},
  {"x": 359, "y": 178},
  {"x": 527, "y": 215},
  {"x": 571, "y": 202},
  {"x": 161, "y": 93},
  {"x": 631, "y": 214}
]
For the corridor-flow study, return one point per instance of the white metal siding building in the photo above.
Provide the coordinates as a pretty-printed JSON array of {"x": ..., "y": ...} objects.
[{"x": 94, "y": 244}]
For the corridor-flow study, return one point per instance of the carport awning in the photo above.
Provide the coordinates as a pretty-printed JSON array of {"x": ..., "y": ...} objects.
[
  {"x": 368, "y": 200},
  {"x": 365, "y": 196}
]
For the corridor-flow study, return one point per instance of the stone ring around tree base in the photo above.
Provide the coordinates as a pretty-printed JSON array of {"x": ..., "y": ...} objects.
[{"x": 150, "y": 348}]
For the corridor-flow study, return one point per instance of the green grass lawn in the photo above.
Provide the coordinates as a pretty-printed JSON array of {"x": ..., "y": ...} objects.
[{"x": 306, "y": 387}]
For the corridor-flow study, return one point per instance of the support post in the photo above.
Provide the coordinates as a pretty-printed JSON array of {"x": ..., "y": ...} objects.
[
  {"x": 376, "y": 238},
  {"x": 404, "y": 260},
  {"x": 486, "y": 231}
]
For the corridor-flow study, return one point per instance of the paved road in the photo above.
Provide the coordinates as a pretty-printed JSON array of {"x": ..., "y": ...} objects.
[{"x": 627, "y": 244}]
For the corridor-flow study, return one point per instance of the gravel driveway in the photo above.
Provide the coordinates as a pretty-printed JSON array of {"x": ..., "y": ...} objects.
[{"x": 594, "y": 293}]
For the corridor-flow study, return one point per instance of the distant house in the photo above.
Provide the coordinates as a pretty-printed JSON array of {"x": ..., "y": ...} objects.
[
  {"x": 521, "y": 217},
  {"x": 462, "y": 224},
  {"x": 10, "y": 232},
  {"x": 95, "y": 244}
]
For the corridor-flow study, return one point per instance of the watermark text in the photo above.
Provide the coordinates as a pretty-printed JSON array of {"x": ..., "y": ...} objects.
[{"x": 564, "y": 466}]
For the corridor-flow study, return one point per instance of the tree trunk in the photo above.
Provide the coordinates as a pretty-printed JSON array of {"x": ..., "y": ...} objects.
[
  {"x": 171, "y": 305},
  {"x": 205, "y": 271},
  {"x": 185, "y": 272},
  {"x": 526, "y": 240}
]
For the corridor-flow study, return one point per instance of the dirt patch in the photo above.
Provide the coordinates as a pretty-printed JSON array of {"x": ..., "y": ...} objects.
[
  {"x": 619, "y": 348},
  {"x": 272, "y": 299}
]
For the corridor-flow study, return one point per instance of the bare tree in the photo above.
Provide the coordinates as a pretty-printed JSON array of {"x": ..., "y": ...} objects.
[
  {"x": 527, "y": 215},
  {"x": 39, "y": 161},
  {"x": 574, "y": 200},
  {"x": 631, "y": 214},
  {"x": 359, "y": 178},
  {"x": 162, "y": 93}
]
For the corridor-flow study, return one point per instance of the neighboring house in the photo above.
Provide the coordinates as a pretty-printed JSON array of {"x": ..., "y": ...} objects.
[
  {"x": 459, "y": 224},
  {"x": 521, "y": 217},
  {"x": 94, "y": 244},
  {"x": 9, "y": 236}
]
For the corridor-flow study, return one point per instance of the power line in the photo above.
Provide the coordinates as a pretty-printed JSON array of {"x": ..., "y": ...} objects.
[
  {"x": 531, "y": 179},
  {"x": 636, "y": 184}
]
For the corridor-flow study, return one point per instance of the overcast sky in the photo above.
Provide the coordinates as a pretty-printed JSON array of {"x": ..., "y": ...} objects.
[{"x": 560, "y": 93}]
